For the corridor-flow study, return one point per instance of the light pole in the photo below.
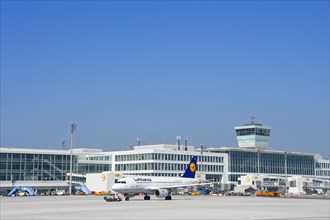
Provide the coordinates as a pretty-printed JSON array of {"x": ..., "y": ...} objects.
[
  {"x": 202, "y": 148},
  {"x": 258, "y": 161},
  {"x": 286, "y": 171},
  {"x": 73, "y": 128}
]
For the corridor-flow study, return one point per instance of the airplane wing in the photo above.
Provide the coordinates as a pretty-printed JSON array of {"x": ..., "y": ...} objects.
[{"x": 178, "y": 186}]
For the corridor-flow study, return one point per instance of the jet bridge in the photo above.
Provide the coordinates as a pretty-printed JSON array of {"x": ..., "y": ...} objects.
[
  {"x": 29, "y": 191},
  {"x": 83, "y": 189},
  {"x": 318, "y": 185}
]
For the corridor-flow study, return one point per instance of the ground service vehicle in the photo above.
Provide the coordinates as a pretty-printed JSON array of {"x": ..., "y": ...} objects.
[{"x": 112, "y": 198}]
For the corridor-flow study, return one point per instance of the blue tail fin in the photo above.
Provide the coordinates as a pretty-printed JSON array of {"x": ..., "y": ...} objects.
[{"x": 191, "y": 169}]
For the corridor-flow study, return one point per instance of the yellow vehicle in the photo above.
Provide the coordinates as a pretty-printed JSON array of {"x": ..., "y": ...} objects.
[
  {"x": 102, "y": 193},
  {"x": 196, "y": 193},
  {"x": 268, "y": 194}
]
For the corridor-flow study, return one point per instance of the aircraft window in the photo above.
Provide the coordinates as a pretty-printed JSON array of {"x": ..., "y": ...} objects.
[{"x": 122, "y": 182}]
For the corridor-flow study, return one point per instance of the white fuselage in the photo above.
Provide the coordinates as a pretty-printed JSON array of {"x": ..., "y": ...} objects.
[{"x": 146, "y": 185}]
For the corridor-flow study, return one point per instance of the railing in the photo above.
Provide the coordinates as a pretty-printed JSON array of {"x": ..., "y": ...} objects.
[
  {"x": 319, "y": 185},
  {"x": 278, "y": 184},
  {"x": 54, "y": 177},
  {"x": 53, "y": 165}
]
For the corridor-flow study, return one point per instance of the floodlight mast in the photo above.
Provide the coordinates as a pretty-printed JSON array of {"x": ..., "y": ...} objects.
[
  {"x": 73, "y": 128},
  {"x": 62, "y": 145}
]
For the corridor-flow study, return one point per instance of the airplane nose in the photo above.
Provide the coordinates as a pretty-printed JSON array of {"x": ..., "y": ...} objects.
[{"x": 114, "y": 187}]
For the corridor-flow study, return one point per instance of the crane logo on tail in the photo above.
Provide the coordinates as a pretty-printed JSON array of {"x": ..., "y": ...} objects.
[{"x": 192, "y": 167}]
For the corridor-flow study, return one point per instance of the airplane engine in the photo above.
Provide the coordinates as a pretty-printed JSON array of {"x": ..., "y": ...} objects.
[{"x": 161, "y": 193}]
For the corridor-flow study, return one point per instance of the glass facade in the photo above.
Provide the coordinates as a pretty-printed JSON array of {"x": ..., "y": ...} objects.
[
  {"x": 323, "y": 169},
  {"x": 252, "y": 131},
  {"x": 84, "y": 168},
  {"x": 54, "y": 166},
  {"x": 165, "y": 156},
  {"x": 34, "y": 167},
  {"x": 93, "y": 163},
  {"x": 300, "y": 165},
  {"x": 323, "y": 173},
  {"x": 244, "y": 162},
  {"x": 167, "y": 164},
  {"x": 179, "y": 167}
]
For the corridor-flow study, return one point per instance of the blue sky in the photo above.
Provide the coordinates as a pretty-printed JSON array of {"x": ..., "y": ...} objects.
[{"x": 158, "y": 69}]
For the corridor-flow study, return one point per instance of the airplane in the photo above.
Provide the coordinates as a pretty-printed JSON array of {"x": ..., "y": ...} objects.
[{"x": 160, "y": 186}]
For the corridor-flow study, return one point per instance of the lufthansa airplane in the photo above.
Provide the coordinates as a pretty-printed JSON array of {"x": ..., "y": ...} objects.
[{"x": 160, "y": 186}]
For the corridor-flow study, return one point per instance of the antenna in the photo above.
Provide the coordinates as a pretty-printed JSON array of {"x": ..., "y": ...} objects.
[
  {"x": 62, "y": 145},
  {"x": 253, "y": 119},
  {"x": 186, "y": 144},
  {"x": 138, "y": 141}
]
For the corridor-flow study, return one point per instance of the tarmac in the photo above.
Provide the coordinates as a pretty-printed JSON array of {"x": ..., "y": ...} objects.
[{"x": 180, "y": 207}]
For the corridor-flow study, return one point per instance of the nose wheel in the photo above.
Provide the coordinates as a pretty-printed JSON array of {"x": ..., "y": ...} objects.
[
  {"x": 126, "y": 197},
  {"x": 146, "y": 197},
  {"x": 168, "y": 197}
]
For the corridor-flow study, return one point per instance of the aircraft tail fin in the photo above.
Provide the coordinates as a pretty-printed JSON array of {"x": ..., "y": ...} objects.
[{"x": 191, "y": 169}]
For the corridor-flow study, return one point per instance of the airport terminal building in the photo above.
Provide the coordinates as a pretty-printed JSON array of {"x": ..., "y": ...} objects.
[{"x": 47, "y": 170}]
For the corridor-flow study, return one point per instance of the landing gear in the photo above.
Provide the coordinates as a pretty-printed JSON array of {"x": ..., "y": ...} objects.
[
  {"x": 146, "y": 197},
  {"x": 168, "y": 197},
  {"x": 126, "y": 197}
]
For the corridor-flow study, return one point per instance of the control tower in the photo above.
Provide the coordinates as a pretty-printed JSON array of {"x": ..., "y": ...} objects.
[{"x": 253, "y": 135}]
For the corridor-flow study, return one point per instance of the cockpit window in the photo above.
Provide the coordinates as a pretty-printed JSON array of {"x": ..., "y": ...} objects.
[{"x": 122, "y": 182}]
